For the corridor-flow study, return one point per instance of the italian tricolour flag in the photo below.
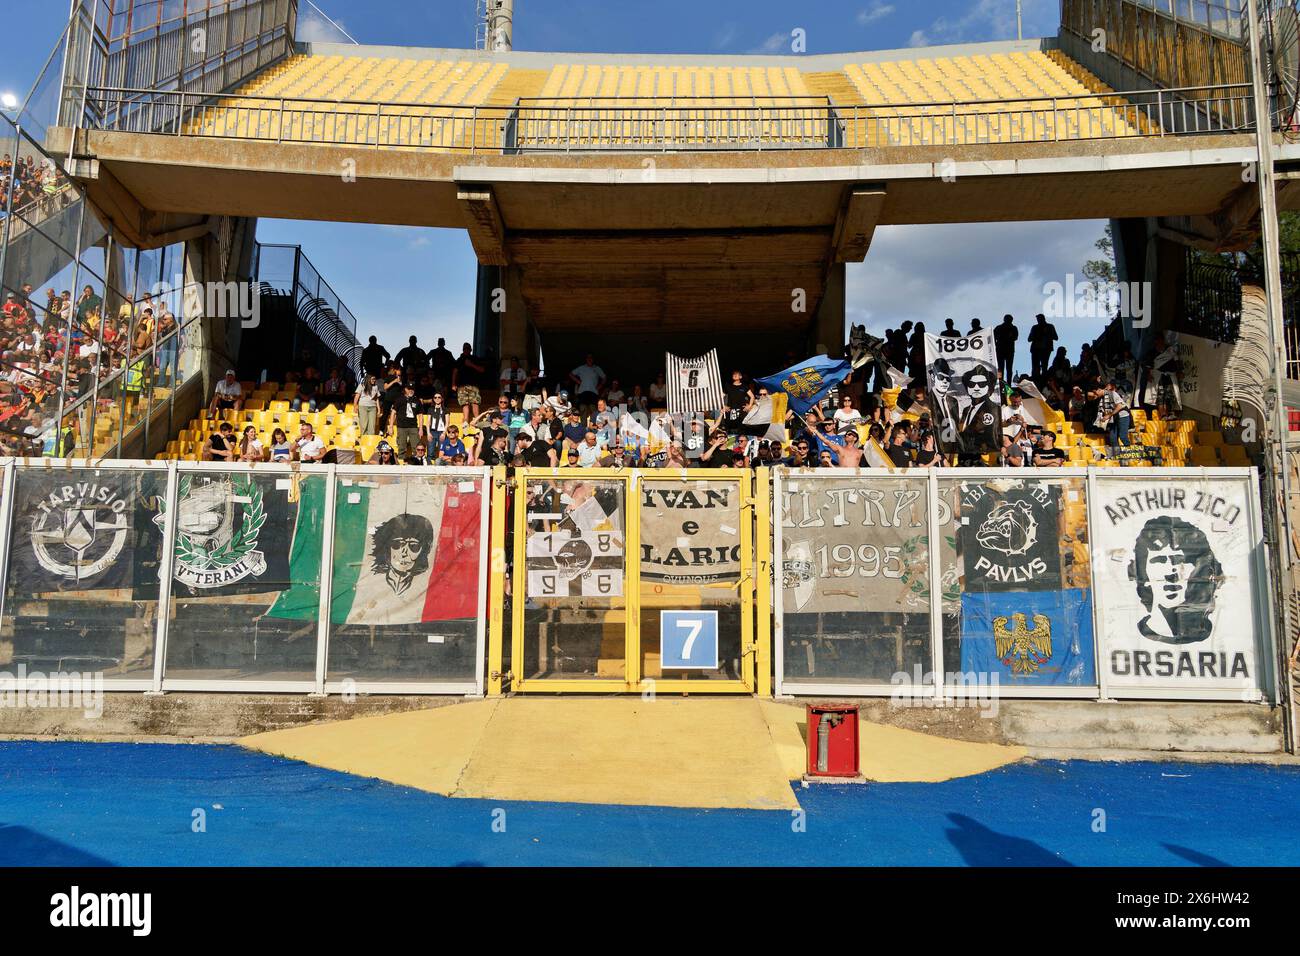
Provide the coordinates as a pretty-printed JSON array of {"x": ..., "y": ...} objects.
[{"x": 404, "y": 553}]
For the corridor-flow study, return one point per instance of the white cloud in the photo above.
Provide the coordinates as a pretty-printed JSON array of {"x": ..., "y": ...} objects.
[
  {"x": 876, "y": 10},
  {"x": 313, "y": 28},
  {"x": 986, "y": 20},
  {"x": 985, "y": 270},
  {"x": 918, "y": 38},
  {"x": 773, "y": 44}
]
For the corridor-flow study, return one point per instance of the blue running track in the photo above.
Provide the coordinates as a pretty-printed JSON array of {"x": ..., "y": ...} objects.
[{"x": 81, "y": 804}]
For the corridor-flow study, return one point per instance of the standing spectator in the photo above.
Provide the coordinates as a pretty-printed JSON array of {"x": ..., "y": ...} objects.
[
  {"x": 373, "y": 357},
  {"x": 437, "y": 418},
  {"x": 405, "y": 420},
  {"x": 534, "y": 390},
  {"x": 1042, "y": 338},
  {"x": 310, "y": 449},
  {"x": 513, "y": 378},
  {"x": 441, "y": 364},
  {"x": 1013, "y": 416},
  {"x": 466, "y": 378},
  {"x": 975, "y": 326},
  {"x": 588, "y": 378},
  {"x": 846, "y": 416},
  {"x": 1113, "y": 415},
  {"x": 412, "y": 360},
  {"x": 916, "y": 353},
  {"x": 737, "y": 399},
  {"x": 367, "y": 401},
  {"x": 949, "y": 330},
  {"x": 1004, "y": 341},
  {"x": 229, "y": 394}
]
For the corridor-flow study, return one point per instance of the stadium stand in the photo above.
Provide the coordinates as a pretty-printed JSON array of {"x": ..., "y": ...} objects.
[{"x": 444, "y": 104}]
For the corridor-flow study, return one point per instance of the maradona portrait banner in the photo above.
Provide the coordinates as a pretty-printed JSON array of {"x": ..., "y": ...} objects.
[
  {"x": 1176, "y": 583},
  {"x": 962, "y": 384}
]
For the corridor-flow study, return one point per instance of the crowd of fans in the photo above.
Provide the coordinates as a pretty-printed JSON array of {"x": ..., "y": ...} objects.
[
  {"x": 51, "y": 338},
  {"x": 585, "y": 417}
]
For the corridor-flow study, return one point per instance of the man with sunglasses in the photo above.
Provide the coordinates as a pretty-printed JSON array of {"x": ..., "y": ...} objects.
[
  {"x": 983, "y": 413},
  {"x": 450, "y": 446},
  {"x": 421, "y": 456}
]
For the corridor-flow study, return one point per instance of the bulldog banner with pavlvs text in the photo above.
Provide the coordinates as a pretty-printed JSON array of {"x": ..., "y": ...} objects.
[{"x": 1178, "y": 587}]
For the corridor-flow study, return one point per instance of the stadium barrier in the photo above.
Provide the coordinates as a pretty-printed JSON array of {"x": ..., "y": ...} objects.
[
  {"x": 647, "y": 124},
  {"x": 1142, "y": 583},
  {"x": 231, "y": 577},
  {"x": 1115, "y": 583}
]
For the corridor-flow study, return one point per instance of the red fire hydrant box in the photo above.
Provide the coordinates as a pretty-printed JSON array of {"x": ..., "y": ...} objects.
[{"x": 833, "y": 742}]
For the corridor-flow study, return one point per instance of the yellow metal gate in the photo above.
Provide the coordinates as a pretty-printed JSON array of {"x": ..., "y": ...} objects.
[{"x": 631, "y": 581}]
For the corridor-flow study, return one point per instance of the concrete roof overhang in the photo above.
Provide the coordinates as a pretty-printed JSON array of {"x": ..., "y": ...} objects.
[{"x": 649, "y": 234}]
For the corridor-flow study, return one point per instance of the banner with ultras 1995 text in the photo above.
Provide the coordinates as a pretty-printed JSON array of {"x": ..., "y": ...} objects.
[{"x": 1178, "y": 585}]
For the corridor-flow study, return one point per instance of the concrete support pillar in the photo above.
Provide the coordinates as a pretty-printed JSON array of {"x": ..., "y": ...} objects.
[
  {"x": 1142, "y": 255},
  {"x": 501, "y": 325},
  {"x": 827, "y": 331}
]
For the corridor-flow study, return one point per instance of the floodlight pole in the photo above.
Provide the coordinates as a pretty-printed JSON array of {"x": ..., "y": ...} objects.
[
  {"x": 1270, "y": 229},
  {"x": 1020, "y": 33}
]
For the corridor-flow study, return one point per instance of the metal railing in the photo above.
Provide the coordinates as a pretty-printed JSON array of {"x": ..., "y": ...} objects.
[{"x": 707, "y": 124}]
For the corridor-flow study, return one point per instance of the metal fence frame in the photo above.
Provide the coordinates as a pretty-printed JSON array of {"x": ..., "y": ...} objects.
[
  {"x": 1268, "y": 690},
  {"x": 320, "y": 684},
  {"x": 673, "y": 124}
]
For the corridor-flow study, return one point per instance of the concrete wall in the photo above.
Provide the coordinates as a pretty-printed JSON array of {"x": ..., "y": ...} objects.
[{"x": 1099, "y": 727}]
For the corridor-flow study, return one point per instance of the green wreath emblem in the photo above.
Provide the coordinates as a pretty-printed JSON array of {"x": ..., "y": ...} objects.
[{"x": 241, "y": 545}]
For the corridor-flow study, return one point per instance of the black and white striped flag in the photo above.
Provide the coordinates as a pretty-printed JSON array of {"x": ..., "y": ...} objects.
[{"x": 694, "y": 385}]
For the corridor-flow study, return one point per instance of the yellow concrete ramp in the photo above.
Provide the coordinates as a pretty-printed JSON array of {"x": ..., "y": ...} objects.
[
  {"x": 738, "y": 753},
  {"x": 663, "y": 752}
]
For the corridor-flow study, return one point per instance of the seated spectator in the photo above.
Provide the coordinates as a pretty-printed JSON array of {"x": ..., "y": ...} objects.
[
  {"x": 310, "y": 449},
  {"x": 489, "y": 433},
  {"x": 592, "y": 453},
  {"x": 1046, "y": 454},
  {"x": 229, "y": 395},
  {"x": 615, "y": 396},
  {"x": 308, "y": 385},
  {"x": 281, "y": 448},
  {"x": 498, "y": 453},
  {"x": 421, "y": 456},
  {"x": 659, "y": 392},
  {"x": 250, "y": 448},
  {"x": 334, "y": 390},
  {"x": 535, "y": 453},
  {"x": 572, "y": 458},
  {"x": 221, "y": 446},
  {"x": 384, "y": 454},
  {"x": 451, "y": 445},
  {"x": 534, "y": 390}
]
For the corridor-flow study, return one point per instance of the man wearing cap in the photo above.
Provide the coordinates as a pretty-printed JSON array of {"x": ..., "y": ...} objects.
[
  {"x": 229, "y": 394},
  {"x": 405, "y": 419}
]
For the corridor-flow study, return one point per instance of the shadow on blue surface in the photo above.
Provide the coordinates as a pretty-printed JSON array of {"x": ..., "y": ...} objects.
[
  {"x": 980, "y": 846},
  {"x": 20, "y": 846},
  {"x": 1191, "y": 856},
  {"x": 134, "y": 804}
]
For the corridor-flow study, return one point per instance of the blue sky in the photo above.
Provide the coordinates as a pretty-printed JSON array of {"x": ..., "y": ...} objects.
[{"x": 401, "y": 280}]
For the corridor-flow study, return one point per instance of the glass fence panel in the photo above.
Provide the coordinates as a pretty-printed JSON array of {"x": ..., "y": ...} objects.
[
  {"x": 855, "y": 580},
  {"x": 575, "y": 613},
  {"x": 1023, "y": 609},
  {"x": 83, "y": 572},
  {"x": 405, "y": 601},
  {"x": 1179, "y": 578},
  {"x": 246, "y": 554}
]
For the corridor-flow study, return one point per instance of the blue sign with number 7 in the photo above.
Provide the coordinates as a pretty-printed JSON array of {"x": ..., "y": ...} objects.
[{"x": 688, "y": 640}]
